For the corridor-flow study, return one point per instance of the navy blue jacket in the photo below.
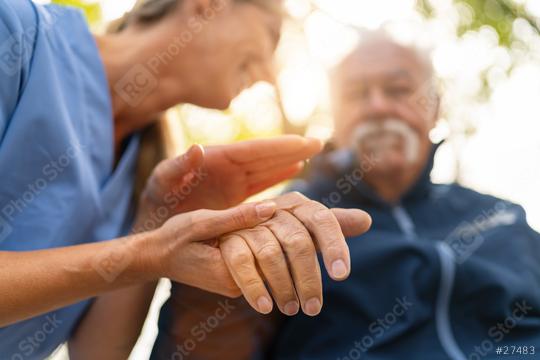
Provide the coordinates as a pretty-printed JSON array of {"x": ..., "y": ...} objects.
[{"x": 449, "y": 273}]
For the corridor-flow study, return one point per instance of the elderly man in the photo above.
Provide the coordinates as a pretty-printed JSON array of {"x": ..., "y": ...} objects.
[{"x": 445, "y": 272}]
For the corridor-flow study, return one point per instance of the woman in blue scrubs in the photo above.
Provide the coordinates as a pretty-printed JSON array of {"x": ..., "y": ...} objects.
[{"x": 71, "y": 107}]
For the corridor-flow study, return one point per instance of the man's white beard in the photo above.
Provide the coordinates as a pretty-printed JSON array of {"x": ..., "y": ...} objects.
[{"x": 376, "y": 137}]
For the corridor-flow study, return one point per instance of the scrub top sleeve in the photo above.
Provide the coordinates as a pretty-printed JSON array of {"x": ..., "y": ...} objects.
[{"x": 15, "y": 50}]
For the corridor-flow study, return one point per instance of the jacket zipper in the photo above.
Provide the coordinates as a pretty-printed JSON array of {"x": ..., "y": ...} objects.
[{"x": 448, "y": 269}]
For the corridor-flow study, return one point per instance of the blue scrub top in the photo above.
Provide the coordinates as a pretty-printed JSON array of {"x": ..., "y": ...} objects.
[{"x": 58, "y": 182}]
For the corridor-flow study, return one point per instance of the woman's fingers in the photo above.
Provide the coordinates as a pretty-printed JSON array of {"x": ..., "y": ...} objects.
[
  {"x": 283, "y": 146},
  {"x": 204, "y": 225},
  {"x": 302, "y": 258},
  {"x": 171, "y": 174},
  {"x": 256, "y": 185},
  {"x": 275, "y": 162},
  {"x": 273, "y": 265},
  {"x": 241, "y": 264}
]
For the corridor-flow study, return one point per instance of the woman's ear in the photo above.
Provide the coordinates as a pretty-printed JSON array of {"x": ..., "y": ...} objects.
[
  {"x": 436, "y": 111},
  {"x": 205, "y": 8},
  {"x": 202, "y": 9}
]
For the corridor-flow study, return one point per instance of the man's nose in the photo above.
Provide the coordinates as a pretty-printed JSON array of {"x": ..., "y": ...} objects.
[{"x": 378, "y": 104}]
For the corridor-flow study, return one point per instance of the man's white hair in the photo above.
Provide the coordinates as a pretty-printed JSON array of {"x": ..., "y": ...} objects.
[{"x": 381, "y": 36}]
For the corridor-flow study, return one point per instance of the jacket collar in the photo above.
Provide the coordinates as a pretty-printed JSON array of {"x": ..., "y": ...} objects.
[{"x": 345, "y": 162}]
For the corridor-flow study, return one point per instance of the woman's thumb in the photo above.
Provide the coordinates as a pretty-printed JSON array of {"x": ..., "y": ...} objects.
[
  {"x": 172, "y": 172},
  {"x": 208, "y": 224}
]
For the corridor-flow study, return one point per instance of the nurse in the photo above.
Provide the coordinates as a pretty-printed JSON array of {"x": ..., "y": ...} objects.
[{"x": 78, "y": 260}]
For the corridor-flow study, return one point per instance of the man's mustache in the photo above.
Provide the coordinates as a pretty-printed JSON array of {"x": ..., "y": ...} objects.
[{"x": 380, "y": 135}]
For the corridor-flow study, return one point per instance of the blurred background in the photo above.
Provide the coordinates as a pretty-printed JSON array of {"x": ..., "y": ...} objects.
[{"x": 486, "y": 54}]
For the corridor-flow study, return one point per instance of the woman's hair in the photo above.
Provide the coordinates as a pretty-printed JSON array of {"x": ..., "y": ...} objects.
[
  {"x": 151, "y": 11},
  {"x": 156, "y": 138}
]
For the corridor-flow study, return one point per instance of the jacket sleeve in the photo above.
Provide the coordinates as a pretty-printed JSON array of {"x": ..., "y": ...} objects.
[{"x": 205, "y": 326}]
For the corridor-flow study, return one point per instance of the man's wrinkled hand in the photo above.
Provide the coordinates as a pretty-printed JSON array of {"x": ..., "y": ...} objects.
[{"x": 278, "y": 258}]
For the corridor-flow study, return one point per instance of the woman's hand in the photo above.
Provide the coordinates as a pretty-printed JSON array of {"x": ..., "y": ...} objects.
[
  {"x": 280, "y": 254},
  {"x": 185, "y": 248},
  {"x": 220, "y": 251},
  {"x": 219, "y": 177}
]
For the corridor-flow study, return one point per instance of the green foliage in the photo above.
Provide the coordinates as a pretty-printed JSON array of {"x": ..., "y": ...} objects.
[
  {"x": 497, "y": 14},
  {"x": 424, "y": 7}
]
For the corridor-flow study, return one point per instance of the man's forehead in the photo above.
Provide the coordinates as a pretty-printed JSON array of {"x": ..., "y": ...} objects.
[
  {"x": 382, "y": 73},
  {"x": 387, "y": 60}
]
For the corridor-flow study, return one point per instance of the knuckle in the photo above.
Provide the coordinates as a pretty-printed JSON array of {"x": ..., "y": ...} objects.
[
  {"x": 241, "y": 260},
  {"x": 311, "y": 286},
  {"x": 195, "y": 222},
  {"x": 257, "y": 233},
  {"x": 303, "y": 252},
  {"x": 240, "y": 217},
  {"x": 297, "y": 196},
  {"x": 269, "y": 254},
  {"x": 325, "y": 218},
  {"x": 251, "y": 283},
  {"x": 297, "y": 238},
  {"x": 281, "y": 217}
]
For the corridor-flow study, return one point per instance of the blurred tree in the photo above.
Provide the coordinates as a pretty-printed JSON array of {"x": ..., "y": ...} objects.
[
  {"x": 498, "y": 14},
  {"x": 475, "y": 15}
]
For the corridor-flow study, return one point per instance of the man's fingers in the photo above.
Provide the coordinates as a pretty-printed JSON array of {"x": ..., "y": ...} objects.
[
  {"x": 325, "y": 228},
  {"x": 208, "y": 224},
  {"x": 323, "y": 225},
  {"x": 353, "y": 222},
  {"x": 273, "y": 265},
  {"x": 203, "y": 267},
  {"x": 241, "y": 264},
  {"x": 302, "y": 258}
]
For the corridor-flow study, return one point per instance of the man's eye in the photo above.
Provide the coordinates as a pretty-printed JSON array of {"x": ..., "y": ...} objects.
[
  {"x": 356, "y": 94},
  {"x": 398, "y": 91}
]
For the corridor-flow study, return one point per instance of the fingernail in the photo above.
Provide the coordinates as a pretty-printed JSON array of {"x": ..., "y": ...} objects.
[
  {"x": 291, "y": 308},
  {"x": 191, "y": 150},
  {"x": 264, "y": 305},
  {"x": 339, "y": 269},
  {"x": 188, "y": 154},
  {"x": 315, "y": 140},
  {"x": 266, "y": 209},
  {"x": 312, "y": 307}
]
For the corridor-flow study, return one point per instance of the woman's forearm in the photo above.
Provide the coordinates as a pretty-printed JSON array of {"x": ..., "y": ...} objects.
[
  {"x": 36, "y": 282},
  {"x": 114, "y": 321}
]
